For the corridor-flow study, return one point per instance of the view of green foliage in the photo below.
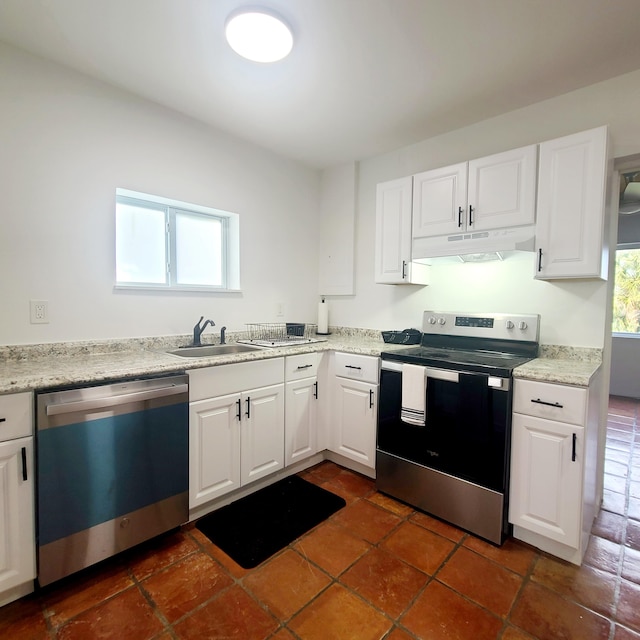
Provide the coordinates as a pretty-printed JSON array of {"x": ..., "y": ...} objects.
[{"x": 626, "y": 295}]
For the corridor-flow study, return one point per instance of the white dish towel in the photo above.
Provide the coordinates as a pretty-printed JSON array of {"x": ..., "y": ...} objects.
[{"x": 414, "y": 392}]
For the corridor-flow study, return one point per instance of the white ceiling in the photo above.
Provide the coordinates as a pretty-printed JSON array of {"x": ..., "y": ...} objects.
[{"x": 365, "y": 76}]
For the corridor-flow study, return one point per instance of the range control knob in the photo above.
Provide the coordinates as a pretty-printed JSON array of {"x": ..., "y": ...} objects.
[
  {"x": 509, "y": 324},
  {"x": 441, "y": 321},
  {"x": 522, "y": 325},
  {"x": 432, "y": 320}
]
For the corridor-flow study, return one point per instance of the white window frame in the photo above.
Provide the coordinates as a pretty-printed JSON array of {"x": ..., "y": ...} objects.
[
  {"x": 626, "y": 334},
  {"x": 230, "y": 242}
]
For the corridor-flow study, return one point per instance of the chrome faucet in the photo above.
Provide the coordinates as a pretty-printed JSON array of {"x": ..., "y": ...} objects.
[
  {"x": 197, "y": 330},
  {"x": 222, "y": 335}
]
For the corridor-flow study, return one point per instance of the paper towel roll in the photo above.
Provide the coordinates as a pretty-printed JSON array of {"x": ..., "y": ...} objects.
[{"x": 323, "y": 318}]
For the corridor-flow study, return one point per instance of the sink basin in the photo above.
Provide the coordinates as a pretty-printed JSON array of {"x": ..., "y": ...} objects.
[{"x": 209, "y": 350}]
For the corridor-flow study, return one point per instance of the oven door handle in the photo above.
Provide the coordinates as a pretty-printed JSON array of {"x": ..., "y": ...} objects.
[
  {"x": 442, "y": 374},
  {"x": 430, "y": 372}
]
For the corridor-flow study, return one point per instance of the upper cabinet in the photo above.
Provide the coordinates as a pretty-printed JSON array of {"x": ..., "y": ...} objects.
[
  {"x": 393, "y": 263},
  {"x": 570, "y": 228},
  {"x": 495, "y": 192}
]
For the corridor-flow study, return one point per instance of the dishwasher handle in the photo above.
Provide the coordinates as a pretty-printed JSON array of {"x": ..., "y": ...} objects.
[{"x": 111, "y": 401}]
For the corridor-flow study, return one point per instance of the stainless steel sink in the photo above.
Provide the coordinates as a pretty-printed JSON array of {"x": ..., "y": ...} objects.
[{"x": 209, "y": 350}]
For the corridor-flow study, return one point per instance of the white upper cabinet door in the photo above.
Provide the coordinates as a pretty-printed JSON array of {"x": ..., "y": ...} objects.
[
  {"x": 393, "y": 230},
  {"x": 393, "y": 235},
  {"x": 571, "y": 206},
  {"x": 440, "y": 201},
  {"x": 495, "y": 192},
  {"x": 502, "y": 190}
]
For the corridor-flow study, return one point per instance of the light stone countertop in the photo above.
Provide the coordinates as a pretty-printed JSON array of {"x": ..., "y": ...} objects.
[
  {"x": 44, "y": 366},
  {"x": 562, "y": 365},
  {"x": 26, "y": 368}
]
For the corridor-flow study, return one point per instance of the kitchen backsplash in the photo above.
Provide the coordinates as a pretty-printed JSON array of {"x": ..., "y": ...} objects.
[{"x": 15, "y": 353}]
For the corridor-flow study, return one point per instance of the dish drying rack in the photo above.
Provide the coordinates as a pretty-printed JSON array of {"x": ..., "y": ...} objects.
[{"x": 280, "y": 334}]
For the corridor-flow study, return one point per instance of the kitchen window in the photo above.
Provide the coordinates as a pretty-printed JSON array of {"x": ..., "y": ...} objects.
[
  {"x": 171, "y": 245},
  {"x": 626, "y": 294}
]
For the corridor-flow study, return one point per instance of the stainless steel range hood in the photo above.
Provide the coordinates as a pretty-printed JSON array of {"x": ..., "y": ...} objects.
[{"x": 494, "y": 241}]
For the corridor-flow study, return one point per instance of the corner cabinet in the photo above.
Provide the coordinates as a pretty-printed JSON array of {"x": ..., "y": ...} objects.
[
  {"x": 17, "y": 519},
  {"x": 570, "y": 227},
  {"x": 494, "y": 192},
  {"x": 355, "y": 400},
  {"x": 553, "y": 466},
  {"x": 393, "y": 263},
  {"x": 236, "y": 426}
]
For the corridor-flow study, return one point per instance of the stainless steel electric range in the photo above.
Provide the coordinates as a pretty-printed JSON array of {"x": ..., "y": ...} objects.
[{"x": 444, "y": 417}]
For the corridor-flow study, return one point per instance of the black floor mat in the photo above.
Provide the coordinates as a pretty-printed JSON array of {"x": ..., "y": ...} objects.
[{"x": 253, "y": 528}]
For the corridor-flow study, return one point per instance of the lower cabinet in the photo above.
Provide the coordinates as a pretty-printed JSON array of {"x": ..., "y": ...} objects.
[
  {"x": 554, "y": 466},
  {"x": 252, "y": 419},
  {"x": 214, "y": 448},
  {"x": 354, "y": 400},
  {"x": 17, "y": 521},
  {"x": 301, "y": 407},
  {"x": 546, "y": 481},
  {"x": 234, "y": 438}
]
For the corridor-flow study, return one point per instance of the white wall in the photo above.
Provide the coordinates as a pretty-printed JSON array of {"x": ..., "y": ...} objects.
[
  {"x": 67, "y": 142},
  {"x": 625, "y": 366},
  {"x": 573, "y": 312}
]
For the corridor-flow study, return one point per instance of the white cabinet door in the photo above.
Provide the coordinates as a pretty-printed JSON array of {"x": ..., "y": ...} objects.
[
  {"x": 440, "y": 201},
  {"x": 546, "y": 478},
  {"x": 262, "y": 439},
  {"x": 495, "y": 192},
  {"x": 502, "y": 190},
  {"x": 301, "y": 416},
  {"x": 17, "y": 526},
  {"x": 214, "y": 448},
  {"x": 571, "y": 206},
  {"x": 354, "y": 428},
  {"x": 393, "y": 235}
]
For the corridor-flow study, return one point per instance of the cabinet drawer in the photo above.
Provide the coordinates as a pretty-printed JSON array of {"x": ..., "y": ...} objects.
[
  {"x": 304, "y": 365},
  {"x": 211, "y": 382},
  {"x": 16, "y": 416},
  {"x": 365, "y": 368},
  {"x": 551, "y": 401}
]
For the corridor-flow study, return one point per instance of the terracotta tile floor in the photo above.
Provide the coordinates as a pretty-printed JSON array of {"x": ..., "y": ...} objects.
[{"x": 376, "y": 569}]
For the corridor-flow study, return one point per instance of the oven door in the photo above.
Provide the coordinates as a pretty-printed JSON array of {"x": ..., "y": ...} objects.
[{"x": 466, "y": 424}]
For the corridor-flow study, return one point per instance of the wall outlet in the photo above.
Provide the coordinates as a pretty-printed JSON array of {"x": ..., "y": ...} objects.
[
  {"x": 39, "y": 311},
  {"x": 279, "y": 310}
]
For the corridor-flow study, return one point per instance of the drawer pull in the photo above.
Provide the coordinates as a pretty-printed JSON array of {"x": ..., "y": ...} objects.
[
  {"x": 573, "y": 448},
  {"x": 557, "y": 405},
  {"x": 24, "y": 463},
  {"x": 370, "y": 398},
  {"x": 3, "y": 419},
  {"x": 315, "y": 390},
  {"x": 305, "y": 366},
  {"x": 350, "y": 366}
]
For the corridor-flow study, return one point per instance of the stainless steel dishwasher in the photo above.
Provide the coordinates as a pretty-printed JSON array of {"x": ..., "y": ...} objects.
[{"x": 112, "y": 470}]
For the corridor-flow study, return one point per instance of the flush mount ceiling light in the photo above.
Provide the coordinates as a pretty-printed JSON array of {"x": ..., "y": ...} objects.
[{"x": 259, "y": 35}]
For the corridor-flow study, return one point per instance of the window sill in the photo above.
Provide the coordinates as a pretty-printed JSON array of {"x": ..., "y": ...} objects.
[
  {"x": 163, "y": 289},
  {"x": 632, "y": 336}
]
